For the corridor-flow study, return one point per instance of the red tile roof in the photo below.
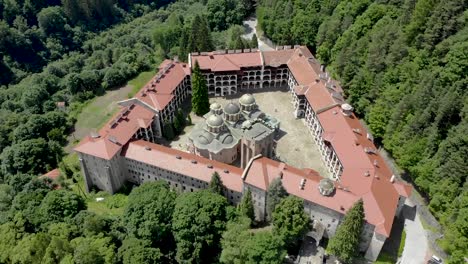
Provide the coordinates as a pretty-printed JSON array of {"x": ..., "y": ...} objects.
[
  {"x": 159, "y": 91},
  {"x": 365, "y": 174},
  {"x": 227, "y": 62},
  {"x": 53, "y": 174},
  {"x": 166, "y": 158},
  {"x": 116, "y": 133},
  {"x": 264, "y": 170}
]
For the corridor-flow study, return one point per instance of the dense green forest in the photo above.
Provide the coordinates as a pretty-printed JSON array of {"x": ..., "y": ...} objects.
[
  {"x": 404, "y": 67},
  {"x": 71, "y": 51}
]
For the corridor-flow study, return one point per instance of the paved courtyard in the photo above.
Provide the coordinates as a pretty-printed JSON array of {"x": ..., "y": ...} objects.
[{"x": 295, "y": 145}]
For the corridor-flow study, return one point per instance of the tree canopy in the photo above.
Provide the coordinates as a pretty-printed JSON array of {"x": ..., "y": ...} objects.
[
  {"x": 344, "y": 244},
  {"x": 200, "y": 101},
  {"x": 199, "y": 220},
  {"x": 276, "y": 192},
  {"x": 148, "y": 214},
  {"x": 403, "y": 69},
  {"x": 290, "y": 222}
]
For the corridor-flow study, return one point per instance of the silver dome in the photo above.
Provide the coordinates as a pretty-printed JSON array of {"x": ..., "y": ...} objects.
[
  {"x": 205, "y": 138},
  {"x": 247, "y": 99},
  {"x": 214, "y": 121},
  {"x": 231, "y": 109}
]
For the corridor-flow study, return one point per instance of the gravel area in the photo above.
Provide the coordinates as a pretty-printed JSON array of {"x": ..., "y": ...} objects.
[{"x": 295, "y": 145}]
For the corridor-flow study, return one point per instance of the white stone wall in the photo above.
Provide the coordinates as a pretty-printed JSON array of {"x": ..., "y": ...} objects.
[
  {"x": 259, "y": 201},
  {"x": 104, "y": 174},
  {"x": 327, "y": 217},
  {"x": 138, "y": 172}
]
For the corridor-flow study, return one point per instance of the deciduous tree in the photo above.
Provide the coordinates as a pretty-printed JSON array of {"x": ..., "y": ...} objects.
[
  {"x": 199, "y": 220},
  {"x": 290, "y": 222}
]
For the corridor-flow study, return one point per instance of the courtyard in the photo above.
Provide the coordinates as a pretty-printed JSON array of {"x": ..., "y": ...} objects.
[{"x": 295, "y": 145}]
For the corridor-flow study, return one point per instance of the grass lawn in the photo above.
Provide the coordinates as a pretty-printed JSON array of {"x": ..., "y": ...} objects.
[
  {"x": 96, "y": 112},
  {"x": 138, "y": 82},
  {"x": 402, "y": 243},
  {"x": 112, "y": 205},
  {"x": 385, "y": 258}
]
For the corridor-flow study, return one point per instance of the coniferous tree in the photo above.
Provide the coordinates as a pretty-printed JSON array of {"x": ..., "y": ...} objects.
[
  {"x": 246, "y": 206},
  {"x": 200, "y": 101},
  {"x": 200, "y": 36},
  {"x": 239, "y": 44},
  {"x": 254, "y": 42},
  {"x": 344, "y": 244},
  {"x": 168, "y": 130},
  {"x": 179, "y": 121},
  {"x": 216, "y": 184},
  {"x": 276, "y": 192},
  {"x": 204, "y": 36}
]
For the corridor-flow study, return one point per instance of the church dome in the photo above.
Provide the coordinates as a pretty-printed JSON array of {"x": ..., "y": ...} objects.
[
  {"x": 228, "y": 139},
  {"x": 247, "y": 99},
  {"x": 231, "y": 109},
  {"x": 215, "y": 106},
  {"x": 326, "y": 187},
  {"x": 205, "y": 138},
  {"x": 214, "y": 121}
]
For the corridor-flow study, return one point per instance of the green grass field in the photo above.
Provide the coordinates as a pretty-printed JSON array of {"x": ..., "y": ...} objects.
[
  {"x": 385, "y": 258},
  {"x": 96, "y": 112},
  {"x": 138, "y": 82},
  {"x": 402, "y": 243}
]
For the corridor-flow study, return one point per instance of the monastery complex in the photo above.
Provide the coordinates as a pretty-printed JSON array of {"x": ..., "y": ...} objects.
[{"x": 126, "y": 148}]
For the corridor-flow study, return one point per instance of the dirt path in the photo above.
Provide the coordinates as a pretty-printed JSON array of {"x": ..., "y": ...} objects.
[
  {"x": 250, "y": 26},
  {"x": 96, "y": 113}
]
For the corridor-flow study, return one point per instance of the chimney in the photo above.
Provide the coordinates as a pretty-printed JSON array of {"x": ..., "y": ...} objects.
[{"x": 392, "y": 179}]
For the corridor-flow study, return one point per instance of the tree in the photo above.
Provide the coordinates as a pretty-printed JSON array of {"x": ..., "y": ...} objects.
[
  {"x": 57, "y": 249},
  {"x": 179, "y": 121},
  {"x": 59, "y": 205},
  {"x": 200, "y": 101},
  {"x": 135, "y": 251},
  {"x": 30, "y": 249},
  {"x": 199, "y": 38},
  {"x": 148, "y": 213},
  {"x": 51, "y": 19},
  {"x": 168, "y": 130},
  {"x": 276, "y": 192},
  {"x": 344, "y": 244},
  {"x": 264, "y": 248},
  {"x": 290, "y": 222},
  {"x": 254, "y": 41},
  {"x": 199, "y": 220},
  {"x": 216, "y": 184},
  {"x": 246, "y": 206},
  {"x": 95, "y": 249},
  {"x": 29, "y": 156},
  {"x": 234, "y": 240},
  {"x": 241, "y": 245}
]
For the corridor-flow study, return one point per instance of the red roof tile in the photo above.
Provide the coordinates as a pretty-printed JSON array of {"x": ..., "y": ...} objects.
[
  {"x": 159, "y": 91},
  {"x": 365, "y": 174},
  {"x": 264, "y": 170},
  {"x": 166, "y": 158},
  {"x": 227, "y": 62},
  {"x": 116, "y": 133},
  {"x": 53, "y": 174}
]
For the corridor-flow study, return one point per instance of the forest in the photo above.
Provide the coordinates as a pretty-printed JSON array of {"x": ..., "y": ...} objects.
[{"x": 404, "y": 67}]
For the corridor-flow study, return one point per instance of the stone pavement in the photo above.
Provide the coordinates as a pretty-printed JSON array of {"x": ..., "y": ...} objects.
[{"x": 416, "y": 244}]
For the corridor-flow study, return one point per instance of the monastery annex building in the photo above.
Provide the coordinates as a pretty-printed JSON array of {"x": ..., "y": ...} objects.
[{"x": 126, "y": 148}]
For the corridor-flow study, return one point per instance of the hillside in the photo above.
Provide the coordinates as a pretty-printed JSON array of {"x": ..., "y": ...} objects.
[{"x": 404, "y": 67}]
